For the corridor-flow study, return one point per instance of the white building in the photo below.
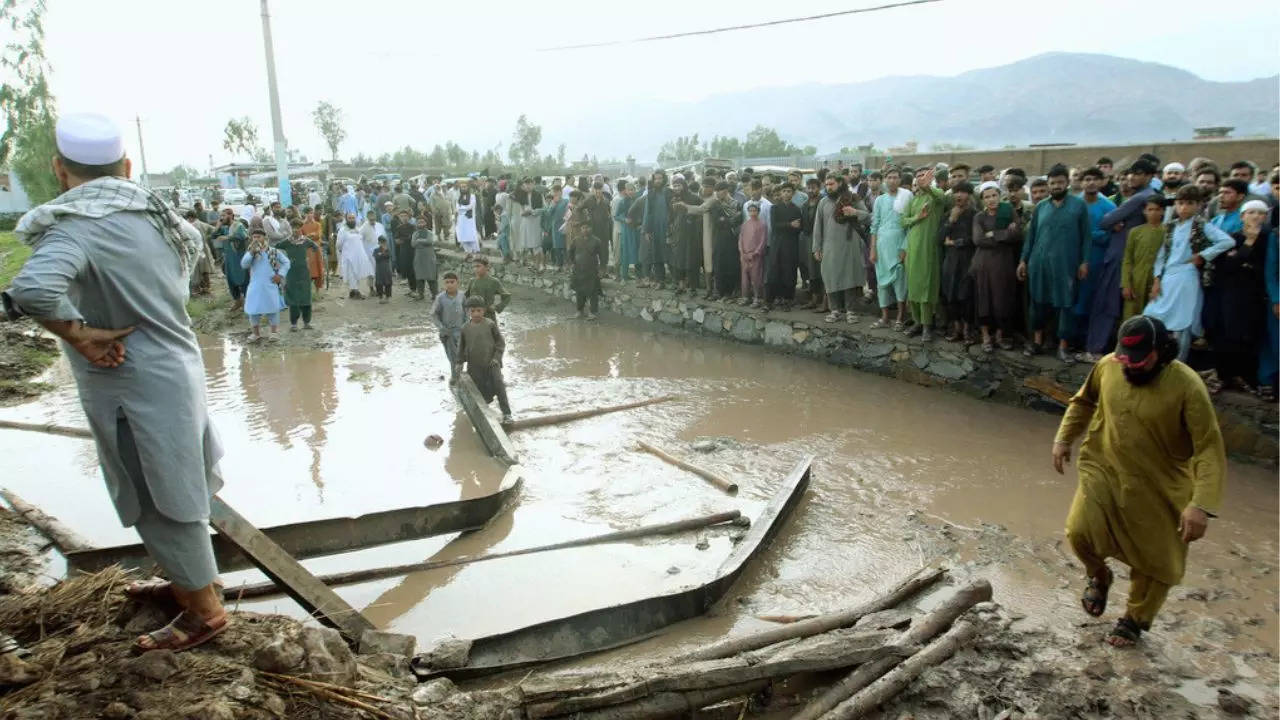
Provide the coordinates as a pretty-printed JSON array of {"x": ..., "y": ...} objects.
[{"x": 13, "y": 199}]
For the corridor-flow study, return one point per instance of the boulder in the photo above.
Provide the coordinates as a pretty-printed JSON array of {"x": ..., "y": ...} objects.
[
  {"x": 778, "y": 333},
  {"x": 445, "y": 655},
  {"x": 328, "y": 657},
  {"x": 946, "y": 369},
  {"x": 378, "y": 641},
  {"x": 745, "y": 329},
  {"x": 158, "y": 665},
  {"x": 281, "y": 655},
  {"x": 434, "y": 691}
]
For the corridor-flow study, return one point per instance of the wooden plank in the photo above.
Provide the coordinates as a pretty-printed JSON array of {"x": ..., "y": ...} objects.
[
  {"x": 314, "y": 596},
  {"x": 556, "y": 418},
  {"x": 1049, "y": 388},
  {"x": 63, "y": 537},
  {"x": 723, "y": 483},
  {"x": 490, "y": 430}
]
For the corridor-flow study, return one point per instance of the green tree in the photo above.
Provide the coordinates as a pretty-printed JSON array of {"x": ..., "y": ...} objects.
[
  {"x": 240, "y": 137},
  {"x": 183, "y": 175},
  {"x": 725, "y": 147},
  {"x": 437, "y": 159},
  {"x": 328, "y": 119},
  {"x": 560, "y": 155},
  {"x": 524, "y": 142},
  {"x": 681, "y": 150},
  {"x": 28, "y": 143}
]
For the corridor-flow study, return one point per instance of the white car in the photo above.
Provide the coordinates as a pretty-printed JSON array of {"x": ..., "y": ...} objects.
[{"x": 234, "y": 196}]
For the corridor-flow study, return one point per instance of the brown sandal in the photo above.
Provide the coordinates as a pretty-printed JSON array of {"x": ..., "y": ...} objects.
[{"x": 185, "y": 632}]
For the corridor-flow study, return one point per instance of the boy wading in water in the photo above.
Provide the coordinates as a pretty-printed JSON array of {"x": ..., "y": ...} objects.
[
  {"x": 449, "y": 315},
  {"x": 480, "y": 348}
]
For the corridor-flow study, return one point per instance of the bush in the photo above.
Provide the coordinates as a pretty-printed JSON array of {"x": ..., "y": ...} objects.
[{"x": 8, "y": 221}]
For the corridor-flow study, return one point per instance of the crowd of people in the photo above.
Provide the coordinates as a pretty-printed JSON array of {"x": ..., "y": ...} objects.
[{"x": 974, "y": 255}]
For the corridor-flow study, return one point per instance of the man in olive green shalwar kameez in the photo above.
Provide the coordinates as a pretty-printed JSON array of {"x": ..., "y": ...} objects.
[
  {"x": 1151, "y": 471},
  {"x": 924, "y": 252}
]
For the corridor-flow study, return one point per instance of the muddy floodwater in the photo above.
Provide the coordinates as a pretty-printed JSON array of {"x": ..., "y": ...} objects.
[{"x": 903, "y": 476}]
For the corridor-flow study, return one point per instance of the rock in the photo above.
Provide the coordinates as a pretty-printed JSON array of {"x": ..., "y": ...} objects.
[
  {"x": 15, "y": 671},
  {"x": 946, "y": 369},
  {"x": 445, "y": 655},
  {"x": 777, "y": 333},
  {"x": 1233, "y": 704},
  {"x": 158, "y": 665},
  {"x": 209, "y": 710},
  {"x": 646, "y": 315},
  {"x": 434, "y": 691},
  {"x": 148, "y": 618},
  {"x": 673, "y": 570},
  {"x": 920, "y": 358},
  {"x": 745, "y": 329},
  {"x": 274, "y": 704},
  {"x": 712, "y": 323},
  {"x": 699, "y": 315},
  {"x": 799, "y": 337},
  {"x": 705, "y": 446},
  {"x": 876, "y": 350},
  {"x": 328, "y": 657},
  {"x": 670, "y": 318},
  {"x": 279, "y": 656},
  {"x": 117, "y": 711},
  {"x": 703, "y": 543},
  {"x": 433, "y": 442},
  {"x": 377, "y": 641}
]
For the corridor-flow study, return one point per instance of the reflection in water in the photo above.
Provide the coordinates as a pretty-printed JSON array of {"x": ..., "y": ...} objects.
[{"x": 287, "y": 392}]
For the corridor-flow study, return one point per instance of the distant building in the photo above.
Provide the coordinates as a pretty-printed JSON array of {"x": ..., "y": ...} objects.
[
  {"x": 13, "y": 199},
  {"x": 909, "y": 148},
  {"x": 1213, "y": 133}
]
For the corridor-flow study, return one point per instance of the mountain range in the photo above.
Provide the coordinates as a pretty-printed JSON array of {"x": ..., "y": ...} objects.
[{"x": 1049, "y": 98}]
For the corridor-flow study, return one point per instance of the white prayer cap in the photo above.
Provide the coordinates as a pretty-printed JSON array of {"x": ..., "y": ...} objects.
[
  {"x": 988, "y": 185},
  {"x": 89, "y": 139},
  {"x": 1258, "y": 205},
  {"x": 1175, "y": 167}
]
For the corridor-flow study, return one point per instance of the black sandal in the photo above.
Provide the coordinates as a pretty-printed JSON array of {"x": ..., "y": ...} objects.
[
  {"x": 1094, "y": 599},
  {"x": 1125, "y": 634}
]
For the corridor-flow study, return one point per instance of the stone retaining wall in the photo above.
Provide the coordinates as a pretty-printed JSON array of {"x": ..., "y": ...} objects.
[{"x": 1249, "y": 426}]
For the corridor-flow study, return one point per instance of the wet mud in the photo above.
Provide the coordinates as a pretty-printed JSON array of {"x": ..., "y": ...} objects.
[{"x": 332, "y": 423}]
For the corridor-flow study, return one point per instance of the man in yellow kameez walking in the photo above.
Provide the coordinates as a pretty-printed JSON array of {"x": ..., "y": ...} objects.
[{"x": 1151, "y": 471}]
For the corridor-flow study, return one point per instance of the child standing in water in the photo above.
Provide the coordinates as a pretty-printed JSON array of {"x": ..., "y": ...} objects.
[
  {"x": 449, "y": 315},
  {"x": 480, "y": 348}
]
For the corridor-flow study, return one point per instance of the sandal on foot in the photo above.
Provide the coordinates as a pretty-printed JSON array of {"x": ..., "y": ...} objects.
[
  {"x": 185, "y": 632},
  {"x": 881, "y": 323},
  {"x": 155, "y": 589},
  {"x": 1124, "y": 634},
  {"x": 1094, "y": 599}
]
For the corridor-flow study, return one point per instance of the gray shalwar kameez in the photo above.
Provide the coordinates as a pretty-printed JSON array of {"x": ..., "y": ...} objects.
[
  {"x": 841, "y": 246},
  {"x": 156, "y": 445}
]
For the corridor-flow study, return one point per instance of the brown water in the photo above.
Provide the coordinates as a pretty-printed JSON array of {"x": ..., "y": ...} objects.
[{"x": 338, "y": 431}]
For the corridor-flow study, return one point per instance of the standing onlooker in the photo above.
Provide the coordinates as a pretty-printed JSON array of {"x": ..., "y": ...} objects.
[
  {"x": 1269, "y": 354},
  {"x": 923, "y": 217},
  {"x": 587, "y": 258},
  {"x": 784, "y": 249},
  {"x": 1095, "y": 258},
  {"x": 449, "y": 315},
  {"x": 297, "y": 280},
  {"x": 837, "y": 244},
  {"x": 425, "y": 263},
  {"x": 1189, "y": 243},
  {"x": 958, "y": 250},
  {"x": 1053, "y": 260},
  {"x": 382, "y": 277},
  {"x": 1234, "y": 303},
  {"x": 996, "y": 235},
  {"x": 889, "y": 248},
  {"x": 751, "y": 245},
  {"x": 808, "y": 215},
  {"x": 234, "y": 237},
  {"x": 1105, "y": 310},
  {"x": 1140, "y": 249},
  {"x": 264, "y": 299}
]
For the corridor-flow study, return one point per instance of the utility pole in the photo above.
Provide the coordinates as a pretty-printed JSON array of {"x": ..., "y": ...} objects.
[
  {"x": 142, "y": 154},
  {"x": 277, "y": 129}
]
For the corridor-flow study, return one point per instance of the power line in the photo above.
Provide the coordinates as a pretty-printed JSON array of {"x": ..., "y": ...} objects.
[{"x": 713, "y": 31}]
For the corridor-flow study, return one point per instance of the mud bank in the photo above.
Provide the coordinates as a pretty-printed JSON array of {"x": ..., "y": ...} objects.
[{"x": 1249, "y": 426}]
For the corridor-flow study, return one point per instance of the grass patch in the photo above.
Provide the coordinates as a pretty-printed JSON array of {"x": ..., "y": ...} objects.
[
  {"x": 198, "y": 307},
  {"x": 12, "y": 255}
]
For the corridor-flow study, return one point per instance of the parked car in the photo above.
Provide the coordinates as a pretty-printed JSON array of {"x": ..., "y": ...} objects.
[{"x": 234, "y": 196}]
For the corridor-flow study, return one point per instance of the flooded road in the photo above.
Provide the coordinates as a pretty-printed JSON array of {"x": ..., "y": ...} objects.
[{"x": 904, "y": 476}]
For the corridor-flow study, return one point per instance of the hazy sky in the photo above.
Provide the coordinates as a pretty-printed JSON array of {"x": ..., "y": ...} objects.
[{"x": 396, "y": 67}]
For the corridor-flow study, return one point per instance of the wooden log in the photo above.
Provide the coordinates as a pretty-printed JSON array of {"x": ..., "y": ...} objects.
[
  {"x": 47, "y": 428},
  {"x": 714, "y": 479},
  {"x": 564, "y": 417},
  {"x": 831, "y": 651},
  {"x": 63, "y": 537},
  {"x": 881, "y": 691},
  {"x": 918, "y": 634},
  {"x": 366, "y": 574},
  {"x": 672, "y": 704},
  {"x": 1049, "y": 388},
  {"x": 823, "y": 623}
]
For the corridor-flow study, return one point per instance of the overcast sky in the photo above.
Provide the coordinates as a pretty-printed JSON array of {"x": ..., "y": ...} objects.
[{"x": 396, "y": 66}]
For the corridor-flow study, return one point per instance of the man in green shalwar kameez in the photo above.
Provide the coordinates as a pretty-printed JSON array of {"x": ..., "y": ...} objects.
[
  {"x": 297, "y": 281},
  {"x": 924, "y": 252},
  {"x": 1151, "y": 471}
]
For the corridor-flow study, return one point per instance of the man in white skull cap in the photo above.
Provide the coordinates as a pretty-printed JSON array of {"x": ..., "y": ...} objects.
[{"x": 108, "y": 269}]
